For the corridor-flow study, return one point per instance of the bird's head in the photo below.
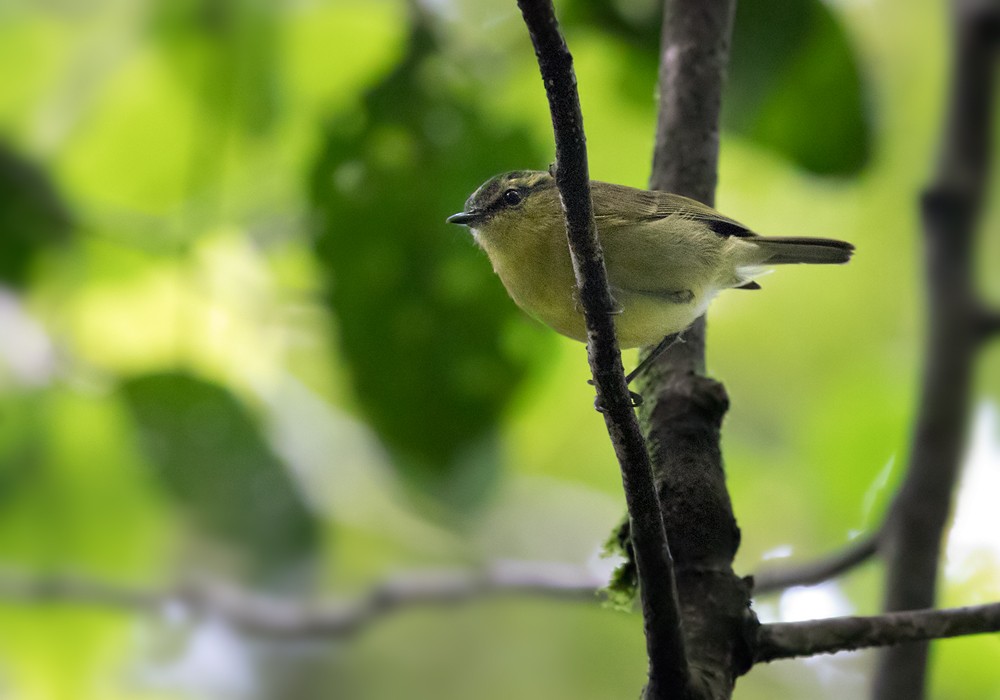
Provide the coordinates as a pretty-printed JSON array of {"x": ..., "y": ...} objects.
[{"x": 518, "y": 201}]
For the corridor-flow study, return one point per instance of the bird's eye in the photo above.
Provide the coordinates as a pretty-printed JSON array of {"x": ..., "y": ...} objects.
[{"x": 512, "y": 197}]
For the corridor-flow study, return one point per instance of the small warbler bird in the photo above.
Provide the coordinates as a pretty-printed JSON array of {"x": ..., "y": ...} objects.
[{"x": 667, "y": 256}]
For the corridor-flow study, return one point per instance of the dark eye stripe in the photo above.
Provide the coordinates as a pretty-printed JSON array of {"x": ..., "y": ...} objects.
[{"x": 490, "y": 199}]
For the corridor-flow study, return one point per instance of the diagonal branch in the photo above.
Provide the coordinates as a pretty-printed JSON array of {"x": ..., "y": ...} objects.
[
  {"x": 668, "y": 668},
  {"x": 811, "y": 573},
  {"x": 790, "y": 639},
  {"x": 333, "y": 619}
]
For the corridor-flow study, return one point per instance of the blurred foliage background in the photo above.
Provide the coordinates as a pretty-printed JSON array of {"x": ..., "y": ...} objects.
[{"x": 237, "y": 338}]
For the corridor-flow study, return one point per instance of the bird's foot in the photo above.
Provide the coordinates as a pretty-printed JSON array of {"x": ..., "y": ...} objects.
[{"x": 634, "y": 398}]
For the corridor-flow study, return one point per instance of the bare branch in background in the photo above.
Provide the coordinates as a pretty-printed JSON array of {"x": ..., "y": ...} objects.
[
  {"x": 951, "y": 206},
  {"x": 334, "y": 619},
  {"x": 668, "y": 667},
  {"x": 812, "y": 573},
  {"x": 989, "y": 325},
  {"x": 791, "y": 639}
]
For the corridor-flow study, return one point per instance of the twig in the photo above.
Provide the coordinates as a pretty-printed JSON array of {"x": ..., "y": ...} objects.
[
  {"x": 668, "y": 668},
  {"x": 811, "y": 573},
  {"x": 278, "y": 617},
  {"x": 950, "y": 208},
  {"x": 791, "y": 639}
]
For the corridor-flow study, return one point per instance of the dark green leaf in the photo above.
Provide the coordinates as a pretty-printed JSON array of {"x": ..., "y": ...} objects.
[
  {"x": 424, "y": 325},
  {"x": 794, "y": 82},
  {"x": 32, "y": 216},
  {"x": 796, "y": 87},
  {"x": 211, "y": 457}
]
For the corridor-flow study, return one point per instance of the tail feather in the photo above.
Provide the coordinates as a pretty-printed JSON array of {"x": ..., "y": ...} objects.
[{"x": 819, "y": 251}]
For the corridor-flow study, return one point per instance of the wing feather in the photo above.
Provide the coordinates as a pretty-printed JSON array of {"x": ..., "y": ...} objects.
[
  {"x": 611, "y": 200},
  {"x": 665, "y": 245}
]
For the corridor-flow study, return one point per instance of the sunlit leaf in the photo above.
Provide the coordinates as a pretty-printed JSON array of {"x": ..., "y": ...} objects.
[
  {"x": 68, "y": 480},
  {"x": 435, "y": 347},
  {"x": 22, "y": 439},
  {"x": 225, "y": 52},
  {"x": 73, "y": 498}
]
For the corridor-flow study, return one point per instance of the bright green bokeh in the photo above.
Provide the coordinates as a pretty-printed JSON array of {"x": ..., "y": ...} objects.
[{"x": 186, "y": 140}]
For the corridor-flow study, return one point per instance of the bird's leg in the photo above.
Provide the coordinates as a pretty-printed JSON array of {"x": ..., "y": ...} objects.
[
  {"x": 664, "y": 345},
  {"x": 681, "y": 297},
  {"x": 635, "y": 398}
]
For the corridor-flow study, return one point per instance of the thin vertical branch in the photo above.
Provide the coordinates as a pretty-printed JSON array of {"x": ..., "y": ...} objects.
[
  {"x": 683, "y": 410},
  {"x": 950, "y": 206},
  {"x": 668, "y": 668},
  {"x": 694, "y": 56}
]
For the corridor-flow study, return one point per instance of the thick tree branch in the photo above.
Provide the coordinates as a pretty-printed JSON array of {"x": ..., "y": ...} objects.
[
  {"x": 668, "y": 669},
  {"x": 811, "y": 573},
  {"x": 683, "y": 410},
  {"x": 950, "y": 208},
  {"x": 791, "y": 639},
  {"x": 277, "y": 617}
]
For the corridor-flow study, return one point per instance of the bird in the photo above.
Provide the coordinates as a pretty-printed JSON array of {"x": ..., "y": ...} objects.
[{"x": 667, "y": 256}]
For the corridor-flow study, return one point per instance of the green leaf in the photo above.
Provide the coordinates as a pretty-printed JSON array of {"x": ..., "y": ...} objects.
[
  {"x": 435, "y": 347},
  {"x": 794, "y": 82},
  {"x": 22, "y": 441},
  {"x": 68, "y": 481},
  {"x": 32, "y": 216},
  {"x": 795, "y": 86},
  {"x": 213, "y": 460},
  {"x": 225, "y": 51},
  {"x": 224, "y": 54}
]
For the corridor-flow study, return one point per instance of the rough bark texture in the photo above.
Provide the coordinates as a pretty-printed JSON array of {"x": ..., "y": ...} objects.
[
  {"x": 791, "y": 639},
  {"x": 668, "y": 668},
  {"x": 683, "y": 409},
  {"x": 950, "y": 208}
]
